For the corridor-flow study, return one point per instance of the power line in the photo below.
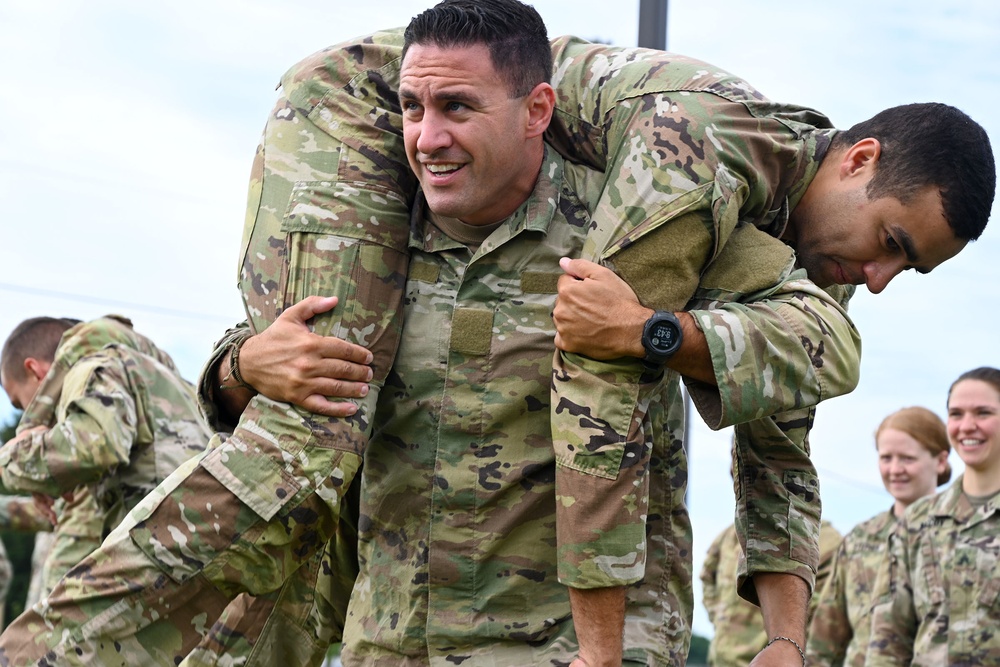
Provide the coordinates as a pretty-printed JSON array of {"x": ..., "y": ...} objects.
[
  {"x": 171, "y": 312},
  {"x": 849, "y": 481}
]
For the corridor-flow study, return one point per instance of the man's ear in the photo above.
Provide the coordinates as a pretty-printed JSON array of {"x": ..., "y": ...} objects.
[
  {"x": 861, "y": 158},
  {"x": 540, "y": 103},
  {"x": 37, "y": 368}
]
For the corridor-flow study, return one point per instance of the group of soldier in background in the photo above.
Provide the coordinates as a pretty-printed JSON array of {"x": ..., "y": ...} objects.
[
  {"x": 106, "y": 417},
  {"x": 894, "y": 578}
]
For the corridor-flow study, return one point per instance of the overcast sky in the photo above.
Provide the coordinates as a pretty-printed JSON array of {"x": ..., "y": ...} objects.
[{"x": 127, "y": 131}]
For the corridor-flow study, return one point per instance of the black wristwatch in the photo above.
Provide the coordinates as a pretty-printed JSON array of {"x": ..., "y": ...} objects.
[{"x": 661, "y": 337}]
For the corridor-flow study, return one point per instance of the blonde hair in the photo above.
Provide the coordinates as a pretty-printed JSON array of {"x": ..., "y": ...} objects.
[{"x": 923, "y": 426}]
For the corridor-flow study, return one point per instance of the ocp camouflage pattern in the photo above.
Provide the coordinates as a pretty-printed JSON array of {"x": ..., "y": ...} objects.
[
  {"x": 938, "y": 600},
  {"x": 699, "y": 165},
  {"x": 840, "y": 629},
  {"x": 279, "y": 460},
  {"x": 119, "y": 418},
  {"x": 739, "y": 626}
]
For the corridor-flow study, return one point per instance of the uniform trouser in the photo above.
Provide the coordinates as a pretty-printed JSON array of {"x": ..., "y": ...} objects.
[
  {"x": 297, "y": 625},
  {"x": 119, "y": 607},
  {"x": 247, "y": 514}
]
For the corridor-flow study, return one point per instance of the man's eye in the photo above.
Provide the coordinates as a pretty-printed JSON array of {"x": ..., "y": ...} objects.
[
  {"x": 891, "y": 243},
  {"x": 455, "y": 106}
]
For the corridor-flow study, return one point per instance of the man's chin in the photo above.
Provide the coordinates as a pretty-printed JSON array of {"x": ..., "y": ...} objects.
[{"x": 819, "y": 276}]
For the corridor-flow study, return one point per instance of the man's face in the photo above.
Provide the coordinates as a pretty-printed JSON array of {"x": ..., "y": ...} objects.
[
  {"x": 465, "y": 136},
  {"x": 21, "y": 392},
  {"x": 843, "y": 237}
]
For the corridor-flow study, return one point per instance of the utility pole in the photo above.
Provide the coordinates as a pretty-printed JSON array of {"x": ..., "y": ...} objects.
[{"x": 653, "y": 24}]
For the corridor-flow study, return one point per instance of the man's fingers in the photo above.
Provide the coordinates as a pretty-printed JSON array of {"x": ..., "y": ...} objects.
[
  {"x": 309, "y": 307},
  {"x": 580, "y": 268},
  {"x": 321, "y": 405},
  {"x": 336, "y": 348},
  {"x": 337, "y": 389}
]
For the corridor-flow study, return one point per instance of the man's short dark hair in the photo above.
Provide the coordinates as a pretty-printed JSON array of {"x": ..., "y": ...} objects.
[
  {"x": 932, "y": 144},
  {"x": 513, "y": 32},
  {"x": 34, "y": 338}
]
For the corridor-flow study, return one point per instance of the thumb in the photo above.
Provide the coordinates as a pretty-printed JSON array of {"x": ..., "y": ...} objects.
[
  {"x": 309, "y": 307},
  {"x": 580, "y": 268}
]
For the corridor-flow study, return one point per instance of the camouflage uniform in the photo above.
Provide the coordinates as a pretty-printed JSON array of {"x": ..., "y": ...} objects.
[
  {"x": 739, "y": 626},
  {"x": 119, "y": 419},
  {"x": 78, "y": 531},
  {"x": 255, "y": 508},
  {"x": 938, "y": 601},
  {"x": 36, "y": 585},
  {"x": 271, "y": 483},
  {"x": 839, "y": 631},
  {"x": 458, "y": 507},
  {"x": 57, "y": 548},
  {"x": 20, "y": 513}
]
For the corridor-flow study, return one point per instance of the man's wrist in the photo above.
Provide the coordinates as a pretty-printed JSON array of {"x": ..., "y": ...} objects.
[
  {"x": 229, "y": 368},
  {"x": 789, "y": 641},
  {"x": 635, "y": 328}
]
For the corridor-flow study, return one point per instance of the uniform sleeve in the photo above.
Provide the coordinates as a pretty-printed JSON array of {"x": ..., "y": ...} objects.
[
  {"x": 829, "y": 542},
  {"x": 94, "y": 435},
  {"x": 20, "y": 513},
  {"x": 686, "y": 181},
  {"x": 602, "y": 434},
  {"x": 894, "y": 618},
  {"x": 709, "y": 577},
  {"x": 784, "y": 348},
  {"x": 777, "y": 499},
  {"x": 830, "y": 630},
  {"x": 207, "y": 382}
]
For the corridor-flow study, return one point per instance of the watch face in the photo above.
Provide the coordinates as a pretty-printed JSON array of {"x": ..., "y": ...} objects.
[{"x": 663, "y": 336}]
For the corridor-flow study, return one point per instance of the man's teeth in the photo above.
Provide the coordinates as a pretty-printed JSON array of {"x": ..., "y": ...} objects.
[{"x": 442, "y": 168}]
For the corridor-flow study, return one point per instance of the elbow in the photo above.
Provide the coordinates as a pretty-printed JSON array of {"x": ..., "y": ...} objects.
[{"x": 841, "y": 365}]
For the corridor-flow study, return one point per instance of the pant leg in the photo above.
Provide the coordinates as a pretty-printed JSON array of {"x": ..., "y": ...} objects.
[
  {"x": 79, "y": 531},
  {"x": 297, "y": 625},
  {"x": 116, "y": 606},
  {"x": 328, "y": 215}
]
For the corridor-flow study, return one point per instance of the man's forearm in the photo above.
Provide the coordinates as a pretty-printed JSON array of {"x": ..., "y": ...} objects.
[
  {"x": 784, "y": 604},
  {"x": 693, "y": 359},
  {"x": 599, "y": 620},
  {"x": 598, "y": 315}
]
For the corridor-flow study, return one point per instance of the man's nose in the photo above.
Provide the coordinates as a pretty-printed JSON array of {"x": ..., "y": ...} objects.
[
  {"x": 878, "y": 274},
  {"x": 434, "y": 135}
]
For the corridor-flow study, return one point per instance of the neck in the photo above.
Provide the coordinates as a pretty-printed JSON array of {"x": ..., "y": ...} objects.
[
  {"x": 898, "y": 508},
  {"x": 790, "y": 234},
  {"x": 980, "y": 483}
]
